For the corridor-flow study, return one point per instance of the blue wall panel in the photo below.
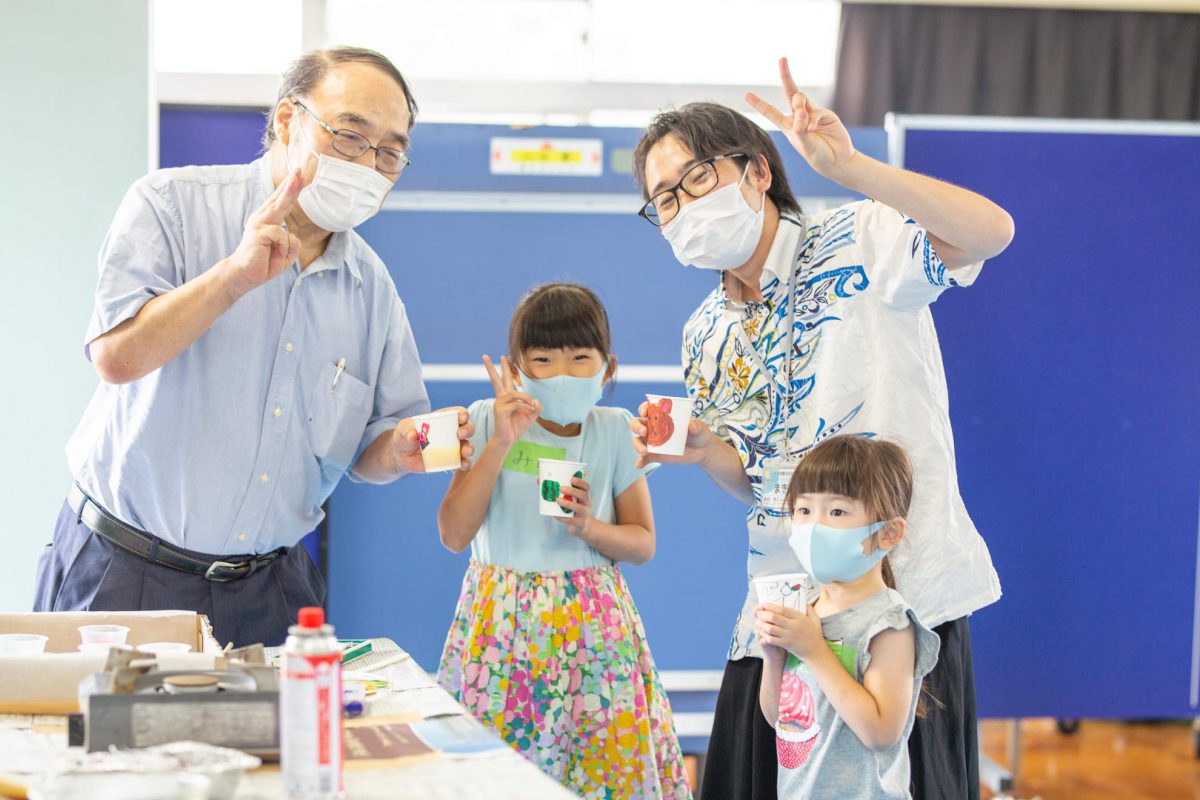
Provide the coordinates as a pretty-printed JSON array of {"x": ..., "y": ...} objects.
[
  {"x": 1074, "y": 375},
  {"x": 390, "y": 576}
]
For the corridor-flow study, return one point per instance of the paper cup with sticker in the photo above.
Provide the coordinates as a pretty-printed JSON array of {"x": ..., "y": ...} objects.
[
  {"x": 788, "y": 590},
  {"x": 437, "y": 433},
  {"x": 667, "y": 424},
  {"x": 554, "y": 481}
]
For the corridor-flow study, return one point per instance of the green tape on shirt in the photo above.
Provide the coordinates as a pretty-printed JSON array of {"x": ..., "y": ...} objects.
[{"x": 523, "y": 457}]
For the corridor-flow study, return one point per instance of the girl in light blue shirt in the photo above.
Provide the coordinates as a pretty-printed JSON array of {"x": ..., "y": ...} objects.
[{"x": 547, "y": 647}]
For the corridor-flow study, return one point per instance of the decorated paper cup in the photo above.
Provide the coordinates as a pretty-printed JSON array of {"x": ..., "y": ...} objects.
[
  {"x": 24, "y": 644},
  {"x": 667, "y": 423},
  {"x": 554, "y": 481},
  {"x": 437, "y": 434},
  {"x": 103, "y": 634},
  {"x": 789, "y": 589}
]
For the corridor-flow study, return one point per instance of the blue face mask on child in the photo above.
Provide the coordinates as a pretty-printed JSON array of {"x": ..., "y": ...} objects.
[
  {"x": 834, "y": 554},
  {"x": 565, "y": 399}
]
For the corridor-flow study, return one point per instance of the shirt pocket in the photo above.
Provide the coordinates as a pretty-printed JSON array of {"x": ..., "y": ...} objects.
[{"x": 337, "y": 418}]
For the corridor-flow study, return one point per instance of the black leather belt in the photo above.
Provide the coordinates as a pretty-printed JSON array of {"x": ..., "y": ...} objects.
[{"x": 219, "y": 569}]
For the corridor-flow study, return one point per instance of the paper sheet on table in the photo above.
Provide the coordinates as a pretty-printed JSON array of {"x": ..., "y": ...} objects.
[
  {"x": 428, "y": 702},
  {"x": 408, "y": 675}
]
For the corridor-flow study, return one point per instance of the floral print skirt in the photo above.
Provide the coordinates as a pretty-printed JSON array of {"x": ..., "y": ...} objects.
[{"x": 557, "y": 664}]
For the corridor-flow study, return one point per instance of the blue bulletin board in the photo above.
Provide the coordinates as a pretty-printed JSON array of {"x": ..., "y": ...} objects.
[
  {"x": 1073, "y": 367},
  {"x": 388, "y": 573},
  {"x": 1074, "y": 373}
]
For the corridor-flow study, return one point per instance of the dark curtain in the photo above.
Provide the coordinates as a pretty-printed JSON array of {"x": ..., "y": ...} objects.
[{"x": 1016, "y": 62}]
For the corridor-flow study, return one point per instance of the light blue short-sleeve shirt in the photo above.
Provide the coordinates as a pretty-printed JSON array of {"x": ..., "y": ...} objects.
[
  {"x": 514, "y": 534},
  {"x": 232, "y": 446}
]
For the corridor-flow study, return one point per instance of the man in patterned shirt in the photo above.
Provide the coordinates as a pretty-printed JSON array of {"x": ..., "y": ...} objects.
[{"x": 820, "y": 325}]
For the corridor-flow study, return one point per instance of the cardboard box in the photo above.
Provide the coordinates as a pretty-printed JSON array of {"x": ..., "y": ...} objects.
[{"x": 49, "y": 683}]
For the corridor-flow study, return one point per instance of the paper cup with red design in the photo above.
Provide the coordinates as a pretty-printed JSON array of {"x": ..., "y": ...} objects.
[
  {"x": 796, "y": 731},
  {"x": 554, "y": 481},
  {"x": 789, "y": 589},
  {"x": 666, "y": 424},
  {"x": 437, "y": 434}
]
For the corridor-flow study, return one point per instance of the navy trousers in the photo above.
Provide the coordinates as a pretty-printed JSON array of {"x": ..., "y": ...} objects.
[{"x": 80, "y": 571}]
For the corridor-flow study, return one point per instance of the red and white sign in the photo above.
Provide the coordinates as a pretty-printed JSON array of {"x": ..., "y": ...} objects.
[{"x": 528, "y": 156}]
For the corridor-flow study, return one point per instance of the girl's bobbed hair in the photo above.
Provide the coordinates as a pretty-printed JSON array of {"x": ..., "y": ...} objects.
[{"x": 554, "y": 316}]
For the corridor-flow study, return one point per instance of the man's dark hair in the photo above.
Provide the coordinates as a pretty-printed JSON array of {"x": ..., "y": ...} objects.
[
  {"x": 312, "y": 67},
  {"x": 711, "y": 129}
]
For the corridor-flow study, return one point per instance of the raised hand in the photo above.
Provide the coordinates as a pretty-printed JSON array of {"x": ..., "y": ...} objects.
[
  {"x": 514, "y": 411},
  {"x": 267, "y": 247},
  {"x": 816, "y": 133}
]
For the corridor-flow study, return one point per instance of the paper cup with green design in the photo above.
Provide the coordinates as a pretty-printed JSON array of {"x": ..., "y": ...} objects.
[
  {"x": 667, "y": 424},
  {"x": 554, "y": 481},
  {"x": 437, "y": 433},
  {"x": 789, "y": 589}
]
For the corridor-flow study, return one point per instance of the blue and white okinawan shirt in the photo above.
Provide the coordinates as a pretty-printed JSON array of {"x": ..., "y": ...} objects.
[{"x": 865, "y": 361}]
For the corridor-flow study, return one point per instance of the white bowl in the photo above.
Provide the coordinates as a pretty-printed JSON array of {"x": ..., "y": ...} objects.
[
  {"x": 165, "y": 648},
  {"x": 22, "y": 643},
  {"x": 103, "y": 634}
]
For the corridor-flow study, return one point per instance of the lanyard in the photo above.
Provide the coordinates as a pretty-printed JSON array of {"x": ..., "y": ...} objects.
[{"x": 772, "y": 382}]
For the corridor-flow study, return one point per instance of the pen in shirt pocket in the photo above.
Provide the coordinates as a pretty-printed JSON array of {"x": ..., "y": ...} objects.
[{"x": 341, "y": 367}]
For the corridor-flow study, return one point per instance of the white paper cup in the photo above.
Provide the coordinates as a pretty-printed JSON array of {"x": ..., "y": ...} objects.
[
  {"x": 438, "y": 436},
  {"x": 789, "y": 589},
  {"x": 103, "y": 634},
  {"x": 165, "y": 648},
  {"x": 667, "y": 424},
  {"x": 22, "y": 643},
  {"x": 554, "y": 480}
]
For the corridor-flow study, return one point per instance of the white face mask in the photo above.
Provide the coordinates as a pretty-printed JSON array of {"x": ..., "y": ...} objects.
[
  {"x": 717, "y": 231},
  {"x": 342, "y": 195}
]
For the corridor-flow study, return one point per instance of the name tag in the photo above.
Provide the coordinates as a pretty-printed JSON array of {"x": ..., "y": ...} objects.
[
  {"x": 775, "y": 482},
  {"x": 523, "y": 456}
]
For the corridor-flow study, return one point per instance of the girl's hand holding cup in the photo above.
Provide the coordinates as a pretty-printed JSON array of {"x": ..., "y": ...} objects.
[
  {"x": 797, "y": 630},
  {"x": 514, "y": 411},
  {"x": 577, "y": 501}
]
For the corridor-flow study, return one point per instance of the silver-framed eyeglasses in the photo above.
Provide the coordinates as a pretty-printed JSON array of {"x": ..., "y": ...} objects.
[
  {"x": 698, "y": 181},
  {"x": 352, "y": 145}
]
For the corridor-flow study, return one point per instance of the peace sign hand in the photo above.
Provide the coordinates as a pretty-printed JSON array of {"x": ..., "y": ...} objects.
[
  {"x": 514, "y": 411},
  {"x": 816, "y": 133},
  {"x": 267, "y": 247}
]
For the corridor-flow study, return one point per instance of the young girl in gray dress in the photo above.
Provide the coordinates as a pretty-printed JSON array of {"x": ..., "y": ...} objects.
[{"x": 842, "y": 674}]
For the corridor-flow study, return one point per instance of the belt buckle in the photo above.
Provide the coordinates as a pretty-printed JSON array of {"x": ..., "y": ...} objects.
[{"x": 208, "y": 574}]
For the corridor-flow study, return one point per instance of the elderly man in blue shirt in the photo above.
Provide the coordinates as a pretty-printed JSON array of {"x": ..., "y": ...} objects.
[{"x": 252, "y": 350}]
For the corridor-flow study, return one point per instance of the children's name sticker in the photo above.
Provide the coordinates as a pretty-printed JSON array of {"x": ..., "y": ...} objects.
[
  {"x": 775, "y": 482},
  {"x": 562, "y": 156},
  {"x": 523, "y": 456}
]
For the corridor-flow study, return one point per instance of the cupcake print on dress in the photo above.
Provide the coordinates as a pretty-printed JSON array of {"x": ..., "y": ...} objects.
[{"x": 797, "y": 729}]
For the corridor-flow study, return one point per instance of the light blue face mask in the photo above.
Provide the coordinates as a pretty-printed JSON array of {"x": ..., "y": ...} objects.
[
  {"x": 565, "y": 399},
  {"x": 834, "y": 554}
]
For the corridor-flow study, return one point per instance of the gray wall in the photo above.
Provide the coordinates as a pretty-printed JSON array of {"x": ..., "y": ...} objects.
[{"x": 75, "y": 91}]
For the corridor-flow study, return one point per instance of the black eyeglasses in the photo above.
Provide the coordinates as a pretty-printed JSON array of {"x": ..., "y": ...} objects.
[
  {"x": 352, "y": 145},
  {"x": 696, "y": 182}
]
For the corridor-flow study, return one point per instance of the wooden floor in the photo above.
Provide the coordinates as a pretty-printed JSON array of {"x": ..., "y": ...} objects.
[
  {"x": 1100, "y": 761},
  {"x": 1150, "y": 761}
]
